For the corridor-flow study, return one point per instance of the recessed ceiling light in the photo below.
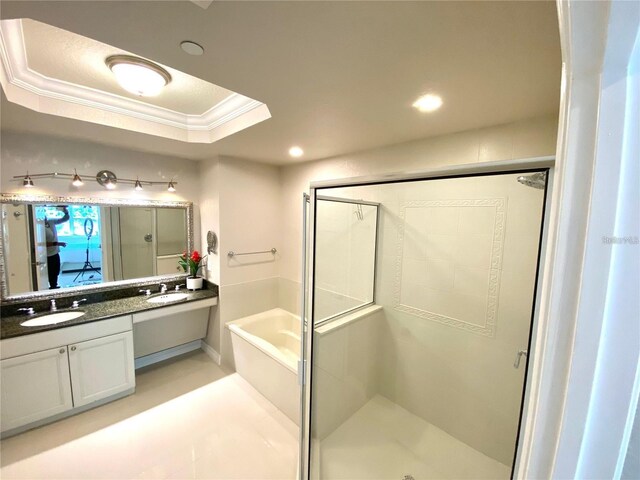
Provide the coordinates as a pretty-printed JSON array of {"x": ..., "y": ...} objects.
[
  {"x": 428, "y": 103},
  {"x": 192, "y": 48},
  {"x": 296, "y": 151},
  {"x": 137, "y": 75}
]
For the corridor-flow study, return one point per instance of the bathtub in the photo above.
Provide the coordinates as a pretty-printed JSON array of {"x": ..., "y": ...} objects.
[{"x": 266, "y": 350}]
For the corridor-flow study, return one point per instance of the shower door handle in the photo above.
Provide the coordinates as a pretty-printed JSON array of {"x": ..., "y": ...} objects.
[{"x": 519, "y": 355}]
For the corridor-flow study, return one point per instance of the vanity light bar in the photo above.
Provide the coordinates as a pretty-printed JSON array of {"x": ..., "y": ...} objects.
[{"x": 107, "y": 181}]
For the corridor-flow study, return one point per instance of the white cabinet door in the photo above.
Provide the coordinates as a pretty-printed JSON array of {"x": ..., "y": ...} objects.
[
  {"x": 101, "y": 367},
  {"x": 34, "y": 387}
]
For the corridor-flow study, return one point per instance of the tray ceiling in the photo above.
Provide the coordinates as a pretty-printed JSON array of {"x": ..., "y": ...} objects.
[
  {"x": 54, "y": 71},
  {"x": 338, "y": 77}
]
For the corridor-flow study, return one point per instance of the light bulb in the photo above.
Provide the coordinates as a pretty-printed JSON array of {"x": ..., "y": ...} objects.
[
  {"x": 296, "y": 151},
  {"x": 428, "y": 103},
  {"x": 77, "y": 181},
  {"x": 138, "y": 76},
  {"x": 27, "y": 182},
  {"x": 138, "y": 186},
  {"x": 171, "y": 187}
]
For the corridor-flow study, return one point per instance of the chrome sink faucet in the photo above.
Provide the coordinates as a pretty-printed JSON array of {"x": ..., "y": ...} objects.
[
  {"x": 76, "y": 303},
  {"x": 54, "y": 307},
  {"x": 178, "y": 287},
  {"x": 163, "y": 288}
]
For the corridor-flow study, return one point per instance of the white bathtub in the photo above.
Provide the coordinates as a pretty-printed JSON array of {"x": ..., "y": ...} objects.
[{"x": 266, "y": 350}]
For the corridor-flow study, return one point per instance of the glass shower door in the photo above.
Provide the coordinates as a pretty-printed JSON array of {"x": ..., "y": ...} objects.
[{"x": 427, "y": 380}]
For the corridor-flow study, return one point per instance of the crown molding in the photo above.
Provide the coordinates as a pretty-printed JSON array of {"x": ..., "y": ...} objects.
[{"x": 31, "y": 89}]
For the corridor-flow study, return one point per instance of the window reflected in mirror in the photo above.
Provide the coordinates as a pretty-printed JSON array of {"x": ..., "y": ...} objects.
[{"x": 51, "y": 246}]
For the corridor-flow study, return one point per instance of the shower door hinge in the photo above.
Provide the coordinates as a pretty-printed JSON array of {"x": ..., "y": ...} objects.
[{"x": 302, "y": 380}]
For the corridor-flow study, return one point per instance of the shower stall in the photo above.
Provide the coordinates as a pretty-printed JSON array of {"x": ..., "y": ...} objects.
[{"x": 418, "y": 312}]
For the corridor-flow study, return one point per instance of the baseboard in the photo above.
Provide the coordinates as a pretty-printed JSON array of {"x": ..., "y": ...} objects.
[
  {"x": 167, "y": 354},
  {"x": 208, "y": 349}
]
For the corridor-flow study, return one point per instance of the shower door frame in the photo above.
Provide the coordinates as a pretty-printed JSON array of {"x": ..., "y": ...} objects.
[{"x": 527, "y": 165}]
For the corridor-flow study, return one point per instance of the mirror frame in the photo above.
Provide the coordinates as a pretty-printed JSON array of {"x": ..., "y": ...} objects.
[{"x": 107, "y": 202}]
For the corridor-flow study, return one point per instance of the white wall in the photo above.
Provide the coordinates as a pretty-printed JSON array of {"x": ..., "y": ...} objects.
[
  {"x": 528, "y": 138},
  {"x": 345, "y": 257},
  {"x": 346, "y": 366},
  {"x": 239, "y": 201},
  {"x": 249, "y": 219},
  {"x": 455, "y": 275},
  {"x": 21, "y": 152}
]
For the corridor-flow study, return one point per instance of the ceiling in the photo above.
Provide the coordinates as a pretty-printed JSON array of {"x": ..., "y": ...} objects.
[
  {"x": 57, "y": 53},
  {"x": 338, "y": 77}
]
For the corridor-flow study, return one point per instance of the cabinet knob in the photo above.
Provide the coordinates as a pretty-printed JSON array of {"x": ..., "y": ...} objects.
[
  {"x": 73, "y": 349},
  {"x": 62, "y": 350}
]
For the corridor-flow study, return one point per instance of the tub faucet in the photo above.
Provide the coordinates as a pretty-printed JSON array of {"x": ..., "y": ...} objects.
[{"x": 54, "y": 307}]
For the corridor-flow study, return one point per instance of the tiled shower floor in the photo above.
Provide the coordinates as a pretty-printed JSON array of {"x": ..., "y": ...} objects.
[{"x": 384, "y": 441}]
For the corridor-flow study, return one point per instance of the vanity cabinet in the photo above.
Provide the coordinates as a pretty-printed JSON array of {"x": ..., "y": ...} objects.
[
  {"x": 89, "y": 365},
  {"x": 34, "y": 387},
  {"x": 101, "y": 368}
]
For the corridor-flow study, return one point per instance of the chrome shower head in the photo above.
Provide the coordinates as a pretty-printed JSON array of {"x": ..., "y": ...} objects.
[{"x": 536, "y": 180}]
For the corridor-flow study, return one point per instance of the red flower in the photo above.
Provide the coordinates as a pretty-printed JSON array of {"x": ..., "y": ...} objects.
[{"x": 195, "y": 256}]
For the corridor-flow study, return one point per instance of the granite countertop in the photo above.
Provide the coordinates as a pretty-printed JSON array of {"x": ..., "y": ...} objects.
[{"x": 95, "y": 309}]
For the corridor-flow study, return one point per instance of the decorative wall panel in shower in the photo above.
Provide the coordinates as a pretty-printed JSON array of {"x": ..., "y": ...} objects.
[{"x": 449, "y": 261}]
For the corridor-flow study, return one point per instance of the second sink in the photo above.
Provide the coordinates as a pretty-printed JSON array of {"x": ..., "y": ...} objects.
[
  {"x": 51, "y": 318},
  {"x": 168, "y": 297}
]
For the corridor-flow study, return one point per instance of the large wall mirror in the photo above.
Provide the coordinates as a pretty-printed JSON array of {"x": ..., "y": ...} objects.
[{"x": 50, "y": 243}]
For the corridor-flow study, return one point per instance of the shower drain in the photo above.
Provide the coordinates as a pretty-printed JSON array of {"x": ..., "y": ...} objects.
[{"x": 408, "y": 477}]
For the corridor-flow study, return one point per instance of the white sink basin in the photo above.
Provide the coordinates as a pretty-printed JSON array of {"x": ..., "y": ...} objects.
[
  {"x": 51, "y": 319},
  {"x": 168, "y": 297}
]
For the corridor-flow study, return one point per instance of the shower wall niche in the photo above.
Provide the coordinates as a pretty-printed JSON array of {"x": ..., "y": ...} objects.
[{"x": 431, "y": 388}]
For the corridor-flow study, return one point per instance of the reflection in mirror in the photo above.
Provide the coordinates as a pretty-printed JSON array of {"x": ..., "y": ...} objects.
[
  {"x": 49, "y": 245},
  {"x": 346, "y": 253}
]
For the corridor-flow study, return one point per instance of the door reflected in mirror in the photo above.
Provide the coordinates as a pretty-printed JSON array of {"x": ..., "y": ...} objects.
[{"x": 49, "y": 245}]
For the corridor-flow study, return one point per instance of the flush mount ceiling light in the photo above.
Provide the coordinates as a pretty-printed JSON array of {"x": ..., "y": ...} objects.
[
  {"x": 428, "y": 103},
  {"x": 296, "y": 151},
  {"x": 137, "y": 75}
]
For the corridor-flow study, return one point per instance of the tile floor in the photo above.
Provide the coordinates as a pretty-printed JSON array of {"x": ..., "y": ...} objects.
[
  {"x": 188, "y": 419},
  {"x": 384, "y": 441}
]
